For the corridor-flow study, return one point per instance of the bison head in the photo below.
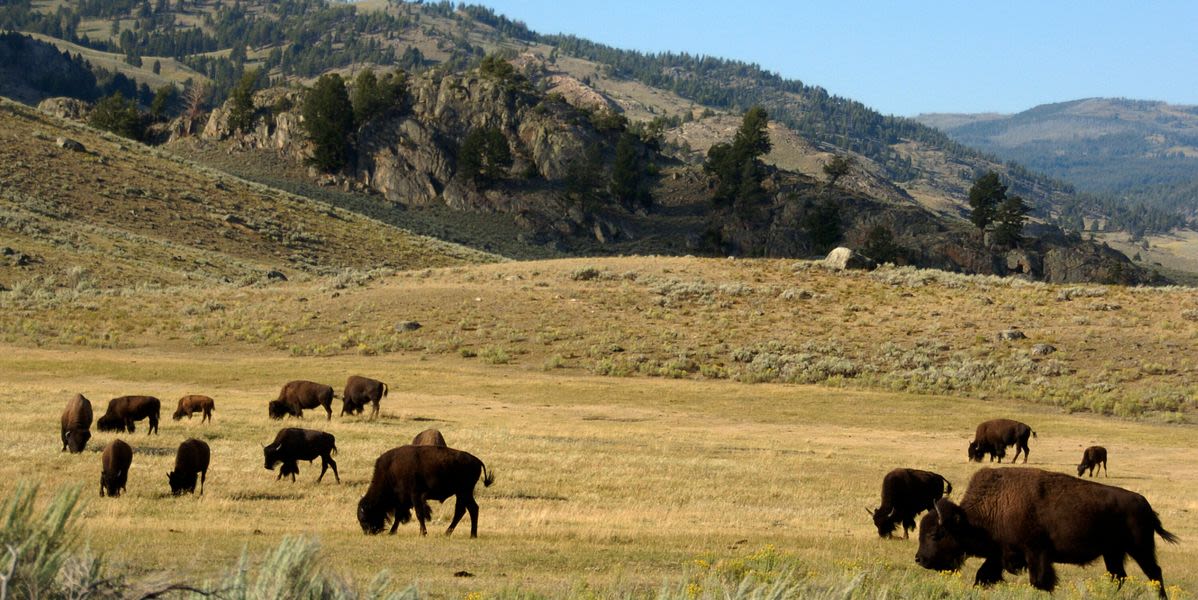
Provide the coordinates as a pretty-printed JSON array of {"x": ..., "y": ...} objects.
[
  {"x": 277, "y": 409},
  {"x": 372, "y": 518},
  {"x": 941, "y": 534},
  {"x": 110, "y": 423},
  {"x": 179, "y": 414},
  {"x": 1082, "y": 468},
  {"x": 884, "y": 521},
  {"x": 977, "y": 451},
  {"x": 271, "y": 455},
  {"x": 181, "y": 482},
  {"x": 77, "y": 440},
  {"x": 111, "y": 482}
]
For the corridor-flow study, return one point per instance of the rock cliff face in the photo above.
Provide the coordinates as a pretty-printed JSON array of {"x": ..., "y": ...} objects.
[{"x": 409, "y": 156}]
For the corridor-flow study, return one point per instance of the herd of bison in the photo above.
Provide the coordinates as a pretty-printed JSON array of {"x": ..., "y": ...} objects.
[{"x": 1012, "y": 518}]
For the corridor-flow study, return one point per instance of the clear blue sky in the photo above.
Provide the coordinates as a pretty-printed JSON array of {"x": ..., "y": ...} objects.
[{"x": 905, "y": 58}]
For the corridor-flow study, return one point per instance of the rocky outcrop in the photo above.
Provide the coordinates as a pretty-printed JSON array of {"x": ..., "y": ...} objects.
[
  {"x": 277, "y": 124},
  {"x": 65, "y": 108},
  {"x": 843, "y": 258}
]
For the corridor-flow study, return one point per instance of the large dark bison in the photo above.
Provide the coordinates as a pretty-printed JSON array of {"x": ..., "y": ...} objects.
[
  {"x": 992, "y": 437},
  {"x": 293, "y": 444},
  {"x": 298, "y": 395},
  {"x": 1091, "y": 459},
  {"x": 429, "y": 437},
  {"x": 191, "y": 458},
  {"x": 905, "y": 494},
  {"x": 407, "y": 477},
  {"x": 1017, "y": 518},
  {"x": 76, "y": 424},
  {"x": 114, "y": 467},
  {"x": 123, "y": 411},
  {"x": 360, "y": 391},
  {"x": 189, "y": 405}
]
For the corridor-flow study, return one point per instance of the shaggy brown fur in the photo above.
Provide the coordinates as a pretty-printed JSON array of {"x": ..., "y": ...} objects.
[
  {"x": 124, "y": 411},
  {"x": 429, "y": 437},
  {"x": 293, "y": 444},
  {"x": 114, "y": 471},
  {"x": 298, "y": 395},
  {"x": 191, "y": 458},
  {"x": 1017, "y": 518},
  {"x": 992, "y": 437},
  {"x": 76, "y": 424},
  {"x": 360, "y": 391},
  {"x": 905, "y": 494},
  {"x": 407, "y": 477},
  {"x": 189, "y": 405},
  {"x": 1091, "y": 459}
]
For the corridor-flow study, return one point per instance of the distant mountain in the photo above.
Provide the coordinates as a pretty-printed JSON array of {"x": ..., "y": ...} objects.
[{"x": 1133, "y": 150}]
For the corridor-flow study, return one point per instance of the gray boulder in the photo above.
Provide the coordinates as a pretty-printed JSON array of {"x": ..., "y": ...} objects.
[{"x": 846, "y": 258}]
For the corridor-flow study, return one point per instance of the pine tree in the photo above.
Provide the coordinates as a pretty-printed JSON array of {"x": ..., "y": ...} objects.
[
  {"x": 1009, "y": 218},
  {"x": 484, "y": 156},
  {"x": 118, "y": 115},
  {"x": 627, "y": 174},
  {"x": 329, "y": 120},
  {"x": 241, "y": 102},
  {"x": 985, "y": 196}
]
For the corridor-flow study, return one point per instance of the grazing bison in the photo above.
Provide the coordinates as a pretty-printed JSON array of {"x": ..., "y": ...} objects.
[
  {"x": 1018, "y": 518},
  {"x": 298, "y": 395},
  {"x": 191, "y": 458},
  {"x": 189, "y": 405},
  {"x": 360, "y": 391},
  {"x": 114, "y": 472},
  {"x": 905, "y": 494},
  {"x": 76, "y": 424},
  {"x": 1091, "y": 459},
  {"x": 407, "y": 477},
  {"x": 123, "y": 411},
  {"x": 992, "y": 437},
  {"x": 429, "y": 437},
  {"x": 293, "y": 444}
]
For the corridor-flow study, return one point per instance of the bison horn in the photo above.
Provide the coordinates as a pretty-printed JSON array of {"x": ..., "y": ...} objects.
[{"x": 869, "y": 512}]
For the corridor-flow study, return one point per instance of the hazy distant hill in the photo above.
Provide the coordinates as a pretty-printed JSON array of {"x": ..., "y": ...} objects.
[{"x": 1132, "y": 149}]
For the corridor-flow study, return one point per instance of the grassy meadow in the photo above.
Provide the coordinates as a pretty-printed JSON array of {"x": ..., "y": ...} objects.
[{"x": 613, "y": 479}]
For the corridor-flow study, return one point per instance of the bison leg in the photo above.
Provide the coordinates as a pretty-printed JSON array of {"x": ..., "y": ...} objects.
[
  {"x": 395, "y": 522},
  {"x": 153, "y": 425},
  {"x": 420, "y": 503},
  {"x": 332, "y": 463},
  {"x": 1114, "y": 565},
  {"x": 1043, "y": 575},
  {"x": 1145, "y": 556},
  {"x": 989, "y": 573},
  {"x": 374, "y": 411},
  {"x": 472, "y": 506},
  {"x": 459, "y": 509}
]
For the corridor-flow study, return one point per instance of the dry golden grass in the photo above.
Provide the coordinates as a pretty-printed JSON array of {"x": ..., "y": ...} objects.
[{"x": 603, "y": 483}]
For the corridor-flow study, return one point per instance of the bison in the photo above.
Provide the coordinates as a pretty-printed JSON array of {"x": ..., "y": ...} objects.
[
  {"x": 298, "y": 395},
  {"x": 189, "y": 405},
  {"x": 191, "y": 458},
  {"x": 1017, "y": 518},
  {"x": 114, "y": 471},
  {"x": 407, "y": 477},
  {"x": 76, "y": 424},
  {"x": 294, "y": 444},
  {"x": 360, "y": 391},
  {"x": 123, "y": 411},
  {"x": 905, "y": 494},
  {"x": 429, "y": 437},
  {"x": 992, "y": 437},
  {"x": 1091, "y": 459}
]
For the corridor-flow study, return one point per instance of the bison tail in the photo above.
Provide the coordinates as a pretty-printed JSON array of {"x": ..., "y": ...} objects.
[
  {"x": 1165, "y": 535},
  {"x": 488, "y": 477},
  {"x": 948, "y": 486},
  {"x": 1034, "y": 433},
  {"x": 385, "y": 390},
  {"x": 333, "y": 451}
]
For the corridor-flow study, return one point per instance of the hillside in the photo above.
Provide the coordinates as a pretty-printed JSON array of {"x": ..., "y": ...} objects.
[
  {"x": 1134, "y": 150},
  {"x": 118, "y": 213}
]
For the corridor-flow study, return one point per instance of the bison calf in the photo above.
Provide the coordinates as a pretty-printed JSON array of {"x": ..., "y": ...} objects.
[
  {"x": 1018, "y": 518},
  {"x": 189, "y": 405},
  {"x": 123, "y": 411},
  {"x": 407, "y": 477},
  {"x": 360, "y": 391},
  {"x": 298, "y": 395},
  {"x": 1091, "y": 459},
  {"x": 191, "y": 458},
  {"x": 905, "y": 494},
  {"x": 429, "y": 437},
  {"x": 114, "y": 467},
  {"x": 76, "y": 424},
  {"x": 992, "y": 437},
  {"x": 294, "y": 444}
]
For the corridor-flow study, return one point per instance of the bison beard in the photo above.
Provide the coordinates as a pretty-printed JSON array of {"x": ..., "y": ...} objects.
[{"x": 1019, "y": 518}]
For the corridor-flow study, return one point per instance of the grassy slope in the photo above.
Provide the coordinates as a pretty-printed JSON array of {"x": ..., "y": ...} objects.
[{"x": 127, "y": 213}]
